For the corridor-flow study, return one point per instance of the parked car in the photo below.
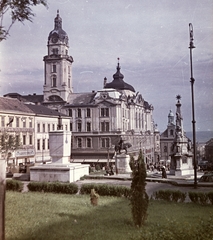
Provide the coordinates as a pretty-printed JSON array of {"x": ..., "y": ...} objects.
[{"x": 207, "y": 177}]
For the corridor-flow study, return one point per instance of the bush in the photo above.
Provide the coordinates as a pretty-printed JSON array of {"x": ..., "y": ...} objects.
[
  {"x": 210, "y": 197},
  {"x": 199, "y": 197},
  {"x": 170, "y": 195},
  {"x": 14, "y": 185},
  {"x": 56, "y": 187},
  {"x": 106, "y": 190}
]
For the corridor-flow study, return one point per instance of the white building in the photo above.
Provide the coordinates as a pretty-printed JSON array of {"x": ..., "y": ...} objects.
[{"x": 31, "y": 124}]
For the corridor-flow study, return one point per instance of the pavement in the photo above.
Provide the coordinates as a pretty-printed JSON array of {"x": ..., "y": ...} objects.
[{"x": 155, "y": 176}]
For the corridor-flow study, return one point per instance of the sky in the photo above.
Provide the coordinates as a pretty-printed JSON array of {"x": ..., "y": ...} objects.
[{"x": 151, "y": 38}]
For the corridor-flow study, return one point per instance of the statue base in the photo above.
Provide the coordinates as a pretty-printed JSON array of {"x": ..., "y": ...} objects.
[{"x": 122, "y": 163}]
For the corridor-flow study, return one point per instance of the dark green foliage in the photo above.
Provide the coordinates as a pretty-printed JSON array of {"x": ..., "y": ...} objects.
[
  {"x": 55, "y": 187},
  {"x": 139, "y": 198},
  {"x": 170, "y": 195},
  {"x": 210, "y": 196},
  {"x": 199, "y": 197},
  {"x": 14, "y": 185},
  {"x": 106, "y": 190}
]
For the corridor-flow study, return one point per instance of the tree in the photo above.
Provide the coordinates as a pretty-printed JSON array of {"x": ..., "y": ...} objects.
[
  {"x": 139, "y": 198},
  {"x": 8, "y": 143},
  {"x": 19, "y": 10}
]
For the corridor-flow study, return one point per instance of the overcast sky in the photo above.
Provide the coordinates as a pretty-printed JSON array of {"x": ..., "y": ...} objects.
[{"x": 151, "y": 38}]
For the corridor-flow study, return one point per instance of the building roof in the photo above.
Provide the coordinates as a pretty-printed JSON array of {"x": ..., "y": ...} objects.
[
  {"x": 80, "y": 99},
  {"x": 118, "y": 82},
  {"x": 41, "y": 110},
  {"x": 13, "y": 104},
  {"x": 58, "y": 32}
]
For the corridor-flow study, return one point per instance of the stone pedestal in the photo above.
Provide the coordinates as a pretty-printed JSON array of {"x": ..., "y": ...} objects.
[
  {"x": 60, "y": 146},
  {"x": 122, "y": 163},
  {"x": 60, "y": 170},
  {"x": 181, "y": 165}
]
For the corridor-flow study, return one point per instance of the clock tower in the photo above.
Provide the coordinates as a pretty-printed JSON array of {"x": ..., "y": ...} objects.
[{"x": 57, "y": 65}]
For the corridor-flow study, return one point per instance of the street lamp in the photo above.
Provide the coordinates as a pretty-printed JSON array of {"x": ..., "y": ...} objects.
[{"x": 192, "y": 80}]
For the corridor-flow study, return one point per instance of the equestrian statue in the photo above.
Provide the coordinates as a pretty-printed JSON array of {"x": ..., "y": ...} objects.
[{"x": 122, "y": 146}]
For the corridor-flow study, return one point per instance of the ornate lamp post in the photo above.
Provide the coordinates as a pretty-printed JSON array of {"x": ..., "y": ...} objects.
[{"x": 192, "y": 80}]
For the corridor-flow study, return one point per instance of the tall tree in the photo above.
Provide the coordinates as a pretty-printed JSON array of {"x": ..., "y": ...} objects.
[
  {"x": 8, "y": 143},
  {"x": 139, "y": 198},
  {"x": 18, "y": 10}
]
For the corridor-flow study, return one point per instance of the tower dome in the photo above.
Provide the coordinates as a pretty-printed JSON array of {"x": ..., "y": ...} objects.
[
  {"x": 118, "y": 82},
  {"x": 58, "y": 33}
]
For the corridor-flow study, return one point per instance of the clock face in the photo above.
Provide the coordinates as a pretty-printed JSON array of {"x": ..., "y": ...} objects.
[{"x": 54, "y": 39}]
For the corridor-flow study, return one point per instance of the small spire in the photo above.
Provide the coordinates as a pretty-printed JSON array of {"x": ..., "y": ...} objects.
[{"x": 118, "y": 67}]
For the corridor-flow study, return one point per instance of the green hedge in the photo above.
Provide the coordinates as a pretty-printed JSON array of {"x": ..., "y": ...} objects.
[
  {"x": 14, "y": 185},
  {"x": 106, "y": 190},
  {"x": 55, "y": 187},
  {"x": 170, "y": 195},
  {"x": 201, "y": 197}
]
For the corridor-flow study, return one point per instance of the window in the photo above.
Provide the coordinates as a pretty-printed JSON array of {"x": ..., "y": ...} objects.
[
  {"x": 79, "y": 126},
  {"x": 17, "y": 139},
  {"x": 30, "y": 123},
  {"x": 71, "y": 127},
  {"x": 54, "y": 68},
  {"x": 165, "y": 149},
  {"x": 24, "y": 122},
  {"x": 55, "y": 51},
  {"x": 53, "y": 127},
  {"x": 43, "y": 127},
  {"x": 105, "y": 142},
  {"x": 24, "y": 139},
  {"x": 88, "y": 112},
  {"x": 104, "y": 112},
  {"x": 79, "y": 142},
  {"x": 171, "y": 132},
  {"x": 17, "y": 121},
  {"x": 30, "y": 139},
  {"x": 104, "y": 126},
  {"x": 43, "y": 144},
  {"x": 48, "y": 126},
  {"x": 70, "y": 112},
  {"x": 3, "y": 121},
  {"x": 54, "y": 81},
  {"x": 88, "y": 126},
  {"x": 79, "y": 112},
  {"x": 89, "y": 143},
  {"x": 38, "y": 144},
  {"x": 38, "y": 127},
  {"x": 69, "y": 85},
  {"x": 10, "y": 122}
]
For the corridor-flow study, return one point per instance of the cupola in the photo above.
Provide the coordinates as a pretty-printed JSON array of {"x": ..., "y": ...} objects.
[{"x": 118, "y": 82}]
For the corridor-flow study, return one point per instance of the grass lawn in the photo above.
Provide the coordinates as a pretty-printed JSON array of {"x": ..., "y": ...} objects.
[{"x": 59, "y": 216}]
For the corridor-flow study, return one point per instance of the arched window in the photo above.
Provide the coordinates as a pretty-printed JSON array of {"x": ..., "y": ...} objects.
[{"x": 54, "y": 81}]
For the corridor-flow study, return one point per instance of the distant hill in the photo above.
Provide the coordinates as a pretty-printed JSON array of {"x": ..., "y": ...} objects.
[{"x": 201, "y": 136}]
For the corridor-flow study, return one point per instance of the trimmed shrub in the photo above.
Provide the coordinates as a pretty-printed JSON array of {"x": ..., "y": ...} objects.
[
  {"x": 170, "y": 195},
  {"x": 55, "y": 187},
  {"x": 210, "y": 197},
  {"x": 106, "y": 190},
  {"x": 14, "y": 185},
  {"x": 139, "y": 199},
  {"x": 199, "y": 197}
]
